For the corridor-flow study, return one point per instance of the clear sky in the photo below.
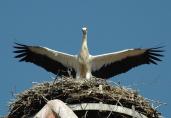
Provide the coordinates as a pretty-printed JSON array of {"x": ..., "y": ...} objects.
[{"x": 113, "y": 25}]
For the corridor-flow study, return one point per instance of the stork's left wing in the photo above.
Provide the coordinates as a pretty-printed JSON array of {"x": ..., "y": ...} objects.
[
  {"x": 53, "y": 61},
  {"x": 111, "y": 64}
]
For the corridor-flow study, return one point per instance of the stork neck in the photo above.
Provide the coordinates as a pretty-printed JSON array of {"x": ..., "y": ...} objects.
[{"x": 84, "y": 46}]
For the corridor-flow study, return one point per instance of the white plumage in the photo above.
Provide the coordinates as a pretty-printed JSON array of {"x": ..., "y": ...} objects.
[{"x": 84, "y": 65}]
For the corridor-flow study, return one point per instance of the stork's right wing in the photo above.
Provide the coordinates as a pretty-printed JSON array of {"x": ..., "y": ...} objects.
[
  {"x": 53, "y": 61},
  {"x": 111, "y": 64}
]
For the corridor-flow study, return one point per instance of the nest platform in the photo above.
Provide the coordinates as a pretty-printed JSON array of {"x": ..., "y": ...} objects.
[{"x": 85, "y": 93}]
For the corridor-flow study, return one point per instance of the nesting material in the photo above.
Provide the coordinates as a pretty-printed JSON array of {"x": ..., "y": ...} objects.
[{"x": 72, "y": 91}]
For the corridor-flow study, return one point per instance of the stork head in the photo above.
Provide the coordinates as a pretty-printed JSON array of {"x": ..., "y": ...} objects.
[{"x": 84, "y": 30}]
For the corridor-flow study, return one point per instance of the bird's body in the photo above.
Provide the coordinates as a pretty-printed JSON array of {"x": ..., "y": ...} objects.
[
  {"x": 85, "y": 65},
  {"x": 84, "y": 59}
]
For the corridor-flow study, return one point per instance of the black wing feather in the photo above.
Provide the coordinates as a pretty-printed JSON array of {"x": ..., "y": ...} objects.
[
  {"x": 149, "y": 56},
  {"x": 25, "y": 54}
]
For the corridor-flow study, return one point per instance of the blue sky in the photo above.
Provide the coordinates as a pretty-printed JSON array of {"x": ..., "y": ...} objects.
[{"x": 113, "y": 25}]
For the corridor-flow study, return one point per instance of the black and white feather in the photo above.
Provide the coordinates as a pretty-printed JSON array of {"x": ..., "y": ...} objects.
[
  {"x": 53, "y": 61},
  {"x": 112, "y": 64}
]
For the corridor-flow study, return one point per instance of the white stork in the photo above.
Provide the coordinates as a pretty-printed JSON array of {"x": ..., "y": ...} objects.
[{"x": 85, "y": 65}]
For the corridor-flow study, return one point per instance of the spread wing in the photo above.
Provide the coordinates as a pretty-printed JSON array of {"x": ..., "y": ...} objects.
[
  {"x": 112, "y": 64},
  {"x": 53, "y": 61}
]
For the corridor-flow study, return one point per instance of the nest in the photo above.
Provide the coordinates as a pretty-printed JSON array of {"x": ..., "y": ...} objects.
[{"x": 72, "y": 91}]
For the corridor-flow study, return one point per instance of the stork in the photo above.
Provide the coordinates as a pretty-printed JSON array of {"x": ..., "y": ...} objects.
[{"x": 85, "y": 65}]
